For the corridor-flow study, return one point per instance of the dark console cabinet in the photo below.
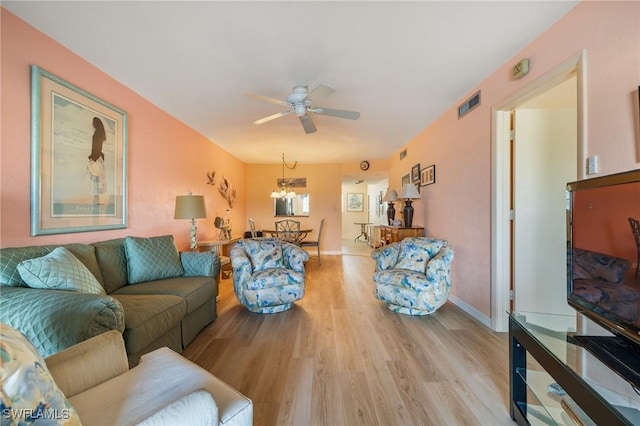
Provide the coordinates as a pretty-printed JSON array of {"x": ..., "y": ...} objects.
[{"x": 555, "y": 360}]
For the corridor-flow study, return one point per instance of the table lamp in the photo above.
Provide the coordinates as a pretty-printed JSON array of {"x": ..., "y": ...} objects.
[
  {"x": 408, "y": 193},
  {"x": 191, "y": 207},
  {"x": 390, "y": 196}
]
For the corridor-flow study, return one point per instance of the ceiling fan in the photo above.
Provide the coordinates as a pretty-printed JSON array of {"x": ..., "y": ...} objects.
[{"x": 300, "y": 103}]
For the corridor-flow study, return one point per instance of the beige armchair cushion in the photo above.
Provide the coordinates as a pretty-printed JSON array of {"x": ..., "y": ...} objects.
[
  {"x": 161, "y": 378},
  {"x": 89, "y": 363}
]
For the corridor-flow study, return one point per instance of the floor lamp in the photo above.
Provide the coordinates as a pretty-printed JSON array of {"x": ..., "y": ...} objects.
[{"x": 191, "y": 207}]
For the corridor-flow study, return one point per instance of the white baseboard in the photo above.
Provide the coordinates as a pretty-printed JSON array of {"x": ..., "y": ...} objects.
[{"x": 476, "y": 314}]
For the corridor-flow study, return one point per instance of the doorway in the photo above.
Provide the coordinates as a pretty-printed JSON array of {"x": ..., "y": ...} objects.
[{"x": 528, "y": 197}]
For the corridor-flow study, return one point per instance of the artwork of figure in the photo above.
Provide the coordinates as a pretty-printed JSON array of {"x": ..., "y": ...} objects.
[{"x": 96, "y": 163}]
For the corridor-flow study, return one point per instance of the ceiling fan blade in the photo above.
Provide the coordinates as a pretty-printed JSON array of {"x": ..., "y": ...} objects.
[
  {"x": 307, "y": 124},
  {"x": 321, "y": 91},
  {"x": 268, "y": 99},
  {"x": 341, "y": 113},
  {"x": 272, "y": 117}
]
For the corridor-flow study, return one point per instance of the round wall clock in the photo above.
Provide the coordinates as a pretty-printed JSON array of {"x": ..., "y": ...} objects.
[{"x": 364, "y": 165}]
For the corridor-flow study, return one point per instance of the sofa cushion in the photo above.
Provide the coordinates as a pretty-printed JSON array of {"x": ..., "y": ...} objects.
[
  {"x": 150, "y": 259},
  {"x": 27, "y": 384},
  {"x": 59, "y": 270},
  {"x": 148, "y": 317},
  {"x": 112, "y": 260},
  {"x": 264, "y": 254},
  {"x": 196, "y": 291},
  {"x": 270, "y": 278},
  {"x": 416, "y": 252},
  {"x": 10, "y": 258},
  {"x": 86, "y": 254}
]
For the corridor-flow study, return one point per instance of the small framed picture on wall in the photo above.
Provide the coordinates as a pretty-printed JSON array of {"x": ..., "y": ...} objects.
[
  {"x": 428, "y": 175},
  {"x": 415, "y": 173}
]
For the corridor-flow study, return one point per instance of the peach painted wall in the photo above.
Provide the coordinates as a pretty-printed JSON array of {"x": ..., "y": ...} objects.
[
  {"x": 458, "y": 206},
  {"x": 165, "y": 157},
  {"x": 323, "y": 187}
]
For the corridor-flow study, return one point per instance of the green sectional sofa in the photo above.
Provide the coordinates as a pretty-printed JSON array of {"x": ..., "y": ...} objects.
[{"x": 147, "y": 290}]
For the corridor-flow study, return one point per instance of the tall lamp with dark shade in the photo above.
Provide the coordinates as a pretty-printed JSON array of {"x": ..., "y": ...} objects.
[
  {"x": 408, "y": 193},
  {"x": 191, "y": 207},
  {"x": 390, "y": 196}
]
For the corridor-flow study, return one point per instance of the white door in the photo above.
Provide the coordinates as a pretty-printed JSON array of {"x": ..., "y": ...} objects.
[{"x": 544, "y": 160}]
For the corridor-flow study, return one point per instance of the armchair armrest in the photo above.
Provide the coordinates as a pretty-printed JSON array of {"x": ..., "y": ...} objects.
[
  {"x": 386, "y": 257},
  {"x": 54, "y": 320},
  {"x": 294, "y": 257},
  {"x": 200, "y": 264},
  {"x": 198, "y": 407},
  {"x": 242, "y": 268},
  {"x": 439, "y": 266},
  {"x": 89, "y": 363}
]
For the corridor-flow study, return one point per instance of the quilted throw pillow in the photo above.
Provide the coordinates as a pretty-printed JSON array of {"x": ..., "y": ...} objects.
[
  {"x": 150, "y": 259},
  {"x": 59, "y": 270},
  {"x": 264, "y": 254},
  {"x": 29, "y": 394},
  {"x": 416, "y": 252}
]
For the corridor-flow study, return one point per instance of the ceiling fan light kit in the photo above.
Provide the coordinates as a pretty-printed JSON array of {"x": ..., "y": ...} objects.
[{"x": 300, "y": 102}]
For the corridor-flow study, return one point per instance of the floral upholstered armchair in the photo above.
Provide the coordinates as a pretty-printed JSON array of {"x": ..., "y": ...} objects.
[
  {"x": 413, "y": 276},
  {"x": 268, "y": 274}
]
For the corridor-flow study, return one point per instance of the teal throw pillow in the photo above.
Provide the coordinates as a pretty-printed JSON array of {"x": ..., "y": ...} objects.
[
  {"x": 264, "y": 253},
  {"x": 150, "y": 259},
  {"x": 416, "y": 252},
  {"x": 59, "y": 270}
]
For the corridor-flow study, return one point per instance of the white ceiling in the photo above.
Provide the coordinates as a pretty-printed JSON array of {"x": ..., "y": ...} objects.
[{"x": 400, "y": 64}]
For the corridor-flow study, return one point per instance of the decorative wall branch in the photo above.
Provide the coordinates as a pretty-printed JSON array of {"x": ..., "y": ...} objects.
[
  {"x": 227, "y": 191},
  {"x": 211, "y": 176}
]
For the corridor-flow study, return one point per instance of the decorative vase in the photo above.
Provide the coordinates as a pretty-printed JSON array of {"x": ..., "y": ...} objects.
[
  {"x": 408, "y": 213},
  {"x": 391, "y": 213}
]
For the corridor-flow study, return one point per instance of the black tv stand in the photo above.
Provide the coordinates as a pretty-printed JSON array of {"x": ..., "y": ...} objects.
[
  {"x": 616, "y": 352},
  {"x": 542, "y": 356}
]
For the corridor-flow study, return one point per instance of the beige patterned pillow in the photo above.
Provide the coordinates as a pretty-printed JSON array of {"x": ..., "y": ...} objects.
[
  {"x": 29, "y": 394},
  {"x": 59, "y": 270}
]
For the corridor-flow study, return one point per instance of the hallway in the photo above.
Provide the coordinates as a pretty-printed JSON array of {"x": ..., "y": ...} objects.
[{"x": 351, "y": 248}]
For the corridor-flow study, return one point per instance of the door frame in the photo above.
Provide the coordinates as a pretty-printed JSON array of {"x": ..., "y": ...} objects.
[{"x": 501, "y": 172}]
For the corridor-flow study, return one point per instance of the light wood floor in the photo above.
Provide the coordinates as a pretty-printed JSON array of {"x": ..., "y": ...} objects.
[{"x": 339, "y": 357}]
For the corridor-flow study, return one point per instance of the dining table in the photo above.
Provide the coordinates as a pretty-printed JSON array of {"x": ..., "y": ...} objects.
[{"x": 303, "y": 232}]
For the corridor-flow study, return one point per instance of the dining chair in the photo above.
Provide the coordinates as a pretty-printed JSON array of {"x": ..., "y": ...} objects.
[
  {"x": 314, "y": 243},
  {"x": 288, "y": 230},
  {"x": 635, "y": 229},
  {"x": 252, "y": 228}
]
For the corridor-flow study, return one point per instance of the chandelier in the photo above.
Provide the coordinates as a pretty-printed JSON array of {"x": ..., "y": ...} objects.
[{"x": 284, "y": 191}]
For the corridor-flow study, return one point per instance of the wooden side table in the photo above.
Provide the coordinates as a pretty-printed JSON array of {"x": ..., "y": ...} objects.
[
  {"x": 393, "y": 234},
  {"x": 222, "y": 248}
]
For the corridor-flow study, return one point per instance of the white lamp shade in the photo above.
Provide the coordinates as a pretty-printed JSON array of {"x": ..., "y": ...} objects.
[
  {"x": 409, "y": 192},
  {"x": 190, "y": 207},
  {"x": 390, "y": 195}
]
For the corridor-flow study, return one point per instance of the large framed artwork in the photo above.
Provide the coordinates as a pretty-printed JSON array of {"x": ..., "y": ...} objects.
[{"x": 78, "y": 159}]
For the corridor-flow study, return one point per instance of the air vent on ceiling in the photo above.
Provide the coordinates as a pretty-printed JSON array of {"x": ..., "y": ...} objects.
[
  {"x": 403, "y": 153},
  {"x": 469, "y": 105}
]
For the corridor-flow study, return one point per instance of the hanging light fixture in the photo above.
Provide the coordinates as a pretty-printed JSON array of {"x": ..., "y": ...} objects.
[{"x": 284, "y": 191}]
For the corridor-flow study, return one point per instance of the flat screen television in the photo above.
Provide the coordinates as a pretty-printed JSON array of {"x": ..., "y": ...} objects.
[{"x": 603, "y": 276}]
